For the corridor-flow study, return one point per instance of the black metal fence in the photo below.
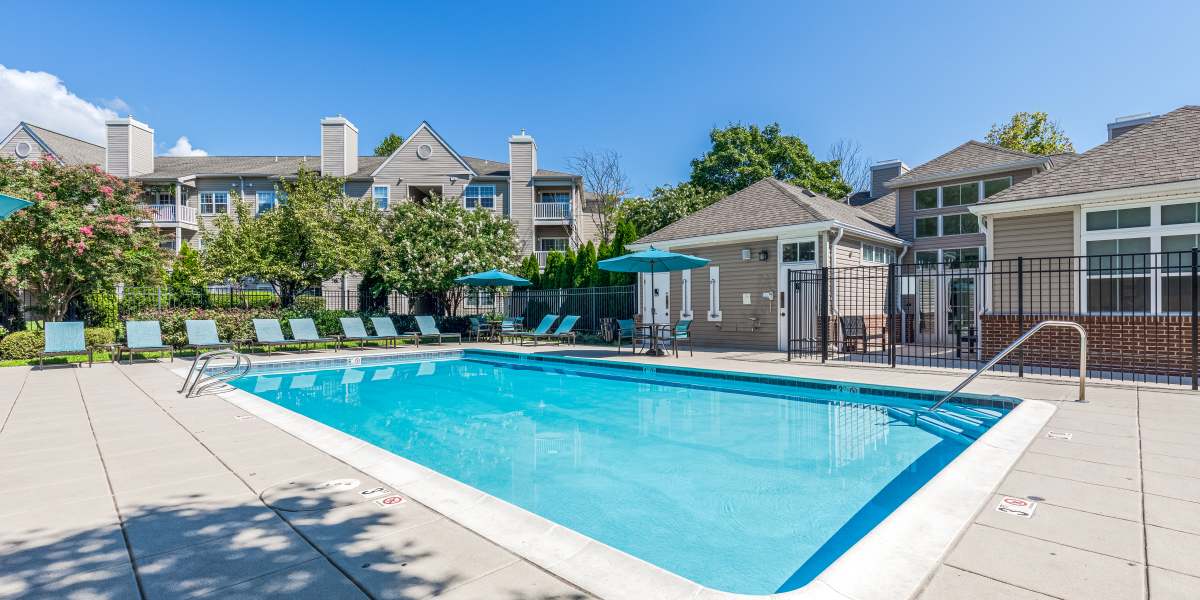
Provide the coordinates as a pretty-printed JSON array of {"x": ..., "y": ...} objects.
[{"x": 1140, "y": 312}]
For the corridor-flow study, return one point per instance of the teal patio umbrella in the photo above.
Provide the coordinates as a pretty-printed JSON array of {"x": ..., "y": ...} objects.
[
  {"x": 10, "y": 205},
  {"x": 652, "y": 261},
  {"x": 493, "y": 278}
]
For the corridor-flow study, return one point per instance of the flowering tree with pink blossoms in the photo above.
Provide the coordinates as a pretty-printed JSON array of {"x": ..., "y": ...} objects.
[{"x": 80, "y": 234}]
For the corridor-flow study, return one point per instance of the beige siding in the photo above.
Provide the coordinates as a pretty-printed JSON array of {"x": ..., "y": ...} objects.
[
  {"x": 907, "y": 215},
  {"x": 521, "y": 167},
  {"x": 35, "y": 149},
  {"x": 141, "y": 151},
  {"x": 117, "y": 150},
  {"x": 1049, "y": 285},
  {"x": 738, "y": 327},
  {"x": 1050, "y": 234}
]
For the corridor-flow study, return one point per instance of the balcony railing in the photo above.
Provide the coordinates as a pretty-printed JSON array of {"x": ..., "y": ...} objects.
[
  {"x": 169, "y": 213},
  {"x": 552, "y": 211},
  {"x": 541, "y": 256}
]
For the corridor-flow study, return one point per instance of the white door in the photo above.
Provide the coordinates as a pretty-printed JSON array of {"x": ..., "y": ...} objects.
[
  {"x": 794, "y": 255},
  {"x": 655, "y": 303}
]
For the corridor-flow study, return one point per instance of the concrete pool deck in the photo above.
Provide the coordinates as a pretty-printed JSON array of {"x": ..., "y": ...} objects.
[{"x": 117, "y": 487}]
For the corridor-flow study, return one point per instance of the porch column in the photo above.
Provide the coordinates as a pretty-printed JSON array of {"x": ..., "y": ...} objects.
[
  {"x": 178, "y": 203},
  {"x": 178, "y": 239}
]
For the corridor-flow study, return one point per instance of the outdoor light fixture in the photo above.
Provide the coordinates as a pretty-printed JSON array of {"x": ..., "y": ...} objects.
[
  {"x": 762, "y": 255},
  {"x": 745, "y": 254}
]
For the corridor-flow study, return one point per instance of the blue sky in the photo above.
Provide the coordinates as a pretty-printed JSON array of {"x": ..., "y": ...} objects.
[{"x": 647, "y": 80}]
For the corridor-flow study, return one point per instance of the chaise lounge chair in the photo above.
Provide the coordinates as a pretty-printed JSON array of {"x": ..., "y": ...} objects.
[
  {"x": 202, "y": 335},
  {"x": 143, "y": 336},
  {"x": 541, "y": 331},
  {"x": 269, "y": 334},
  {"x": 429, "y": 329},
  {"x": 304, "y": 331},
  {"x": 565, "y": 332},
  {"x": 386, "y": 328},
  {"x": 353, "y": 330},
  {"x": 65, "y": 338}
]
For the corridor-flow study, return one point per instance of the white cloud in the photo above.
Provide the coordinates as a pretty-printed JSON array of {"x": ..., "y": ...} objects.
[
  {"x": 118, "y": 105},
  {"x": 42, "y": 99},
  {"x": 183, "y": 147}
]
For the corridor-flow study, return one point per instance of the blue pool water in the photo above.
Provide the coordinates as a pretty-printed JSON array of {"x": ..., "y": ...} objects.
[{"x": 741, "y": 485}]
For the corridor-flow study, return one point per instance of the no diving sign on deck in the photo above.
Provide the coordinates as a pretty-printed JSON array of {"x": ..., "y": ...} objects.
[{"x": 1019, "y": 507}]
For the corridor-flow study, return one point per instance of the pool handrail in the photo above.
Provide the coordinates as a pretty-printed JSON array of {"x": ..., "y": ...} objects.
[{"x": 1083, "y": 345}]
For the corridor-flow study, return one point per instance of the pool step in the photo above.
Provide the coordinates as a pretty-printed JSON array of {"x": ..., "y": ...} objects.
[{"x": 943, "y": 421}]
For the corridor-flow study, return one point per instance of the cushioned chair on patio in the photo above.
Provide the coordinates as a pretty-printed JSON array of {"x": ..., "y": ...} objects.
[
  {"x": 143, "y": 336},
  {"x": 386, "y": 328},
  {"x": 305, "y": 331},
  {"x": 542, "y": 329},
  {"x": 202, "y": 335},
  {"x": 64, "y": 338},
  {"x": 353, "y": 330},
  {"x": 268, "y": 333},
  {"x": 430, "y": 329},
  {"x": 627, "y": 330},
  {"x": 681, "y": 334}
]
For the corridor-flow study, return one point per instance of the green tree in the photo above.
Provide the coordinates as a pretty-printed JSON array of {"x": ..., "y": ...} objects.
[
  {"x": 188, "y": 277},
  {"x": 80, "y": 234},
  {"x": 585, "y": 266},
  {"x": 428, "y": 244},
  {"x": 665, "y": 205},
  {"x": 317, "y": 233},
  {"x": 552, "y": 275},
  {"x": 529, "y": 269},
  {"x": 388, "y": 145},
  {"x": 744, "y": 154},
  {"x": 1031, "y": 132}
]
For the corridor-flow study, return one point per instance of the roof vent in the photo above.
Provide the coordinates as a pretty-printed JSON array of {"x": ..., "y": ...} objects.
[{"x": 808, "y": 192}]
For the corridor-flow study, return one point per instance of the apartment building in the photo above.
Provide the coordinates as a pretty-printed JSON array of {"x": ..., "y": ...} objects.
[{"x": 546, "y": 206}]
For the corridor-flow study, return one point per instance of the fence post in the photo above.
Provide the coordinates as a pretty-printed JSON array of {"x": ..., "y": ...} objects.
[
  {"x": 786, "y": 309},
  {"x": 1195, "y": 310},
  {"x": 891, "y": 312},
  {"x": 1020, "y": 314},
  {"x": 824, "y": 314}
]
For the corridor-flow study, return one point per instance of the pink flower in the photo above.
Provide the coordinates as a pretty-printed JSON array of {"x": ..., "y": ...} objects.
[
  {"x": 87, "y": 230},
  {"x": 51, "y": 205},
  {"x": 39, "y": 195},
  {"x": 79, "y": 248},
  {"x": 106, "y": 190},
  {"x": 97, "y": 169},
  {"x": 54, "y": 183},
  {"x": 120, "y": 219}
]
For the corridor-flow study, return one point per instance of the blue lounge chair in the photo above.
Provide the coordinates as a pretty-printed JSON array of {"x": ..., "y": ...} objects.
[
  {"x": 353, "y": 330},
  {"x": 305, "y": 331},
  {"x": 64, "y": 338},
  {"x": 143, "y": 336},
  {"x": 202, "y": 335},
  {"x": 540, "y": 331},
  {"x": 386, "y": 328},
  {"x": 565, "y": 332},
  {"x": 269, "y": 334},
  {"x": 430, "y": 329}
]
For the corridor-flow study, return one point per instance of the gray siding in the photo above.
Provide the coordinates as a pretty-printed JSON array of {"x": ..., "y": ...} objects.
[
  {"x": 1048, "y": 235},
  {"x": 117, "y": 150},
  {"x": 1036, "y": 236},
  {"x": 141, "y": 151},
  {"x": 521, "y": 167},
  {"x": 406, "y": 169},
  {"x": 35, "y": 149},
  {"x": 737, "y": 328},
  {"x": 907, "y": 214}
]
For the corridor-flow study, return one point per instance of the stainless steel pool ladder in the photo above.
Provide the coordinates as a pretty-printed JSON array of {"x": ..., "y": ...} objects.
[
  {"x": 1083, "y": 346},
  {"x": 199, "y": 381}
]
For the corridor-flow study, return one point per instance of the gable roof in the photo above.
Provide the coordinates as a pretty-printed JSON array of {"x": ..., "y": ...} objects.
[
  {"x": 68, "y": 150},
  {"x": 1165, "y": 150},
  {"x": 882, "y": 209},
  {"x": 176, "y": 167},
  {"x": 427, "y": 127},
  {"x": 766, "y": 204},
  {"x": 969, "y": 158}
]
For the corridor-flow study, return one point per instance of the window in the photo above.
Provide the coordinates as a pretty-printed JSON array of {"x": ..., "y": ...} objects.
[
  {"x": 961, "y": 258},
  {"x": 161, "y": 197},
  {"x": 1118, "y": 280},
  {"x": 995, "y": 186},
  {"x": 480, "y": 298},
  {"x": 1178, "y": 214},
  {"x": 214, "y": 203},
  {"x": 960, "y": 224},
  {"x": 480, "y": 196},
  {"x": 799, "y": 252},
  {"x": 1177, "y": 281},
  {"x": 963, "y": 193},
  {"x": 927, "y": 198},
  {"x": 928, "y": 258},
  {"x": 552, "y": 245},
  {"x": 927, "y": 227},
  {"x": 554, "y": 197},
  {"x": 1118, "y": 219},
  {"x": 714, "y": 293},
  {"x": 685, "y": 291},
  {"x": 381, "y": 194},
  {"x": 878, "y": 254},
  {"x": 266, "y": 201}
]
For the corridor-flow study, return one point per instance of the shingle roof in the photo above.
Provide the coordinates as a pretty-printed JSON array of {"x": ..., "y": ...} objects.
[
  {"x": 882, "y": 209},
  {"x": 767, "y": 203},
  {"x": 492, "y": 168},
  {"x": 72, "y": 151},
  {"x": 969, "y": 155},
  {"x": 1166, "y": 150},
  {"x": 174, "y": 167}
]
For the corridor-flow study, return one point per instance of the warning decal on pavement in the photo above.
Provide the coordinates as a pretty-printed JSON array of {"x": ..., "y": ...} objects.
[
  {"x": 1059, "y": 435},
  {"x": 390, "y": 501},
  {"x": 1019, "y": 507}
]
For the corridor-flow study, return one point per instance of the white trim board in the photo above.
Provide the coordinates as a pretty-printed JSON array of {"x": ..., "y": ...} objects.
[{"x": 802, "y": 230}]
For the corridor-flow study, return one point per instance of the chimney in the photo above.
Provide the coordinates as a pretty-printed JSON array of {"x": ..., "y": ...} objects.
[
  {"x": 129, "y": 150},
  {"x": 522, "y": 165},
  {"x": 339, "y": 147},
  {"x": 883, "y": 171},
  {"x": 1121, "y": 125}
]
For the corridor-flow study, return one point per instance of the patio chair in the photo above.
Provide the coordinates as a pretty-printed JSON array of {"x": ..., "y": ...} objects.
[
  {"x": 540, "y": 331},
  {"x": 681, "y": 333},
  {"x": 269, "y": 334},
  {"x": 854, "y": 329},
  {"x": 565, "y": 332},
  {"x": 429, "y": 329},
  {"x": 353, "y": 330},
  {"x": 143, "y": 336},
  {"x": 202, "y": 335},
  {"x": 478, "y": 329},
  {"x": 304, "y": 331},
  {"x": 386, "y": 328},
  {"x": 64, "y": 338},
  {"x": 507, "y": 328},
  {"x": 627, "y": 329}
]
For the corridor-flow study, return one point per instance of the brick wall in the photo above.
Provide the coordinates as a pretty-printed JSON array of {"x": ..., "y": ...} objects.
[{"x": 1157, "y": 344}]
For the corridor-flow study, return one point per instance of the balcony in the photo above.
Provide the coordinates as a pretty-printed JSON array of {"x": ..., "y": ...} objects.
[
  {"x": 170, "y": 215},
  {"x": 554, "y": 212}
]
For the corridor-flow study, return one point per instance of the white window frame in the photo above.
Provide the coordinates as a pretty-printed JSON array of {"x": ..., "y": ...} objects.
[
  {"x": 685, "y": 291},
  {"x": 565, "y": 244},
  {"x": 714, "y": 294},
  {"x": 1155, "y": 231},
  {"x": 941, "y": 201},
  {"x": 788, "y": 242},
  {"x": 941, "y": 227},
  {"x": 889, "y": 252},
  {"x": 937, "y": 219},
  {"x": 542, "y": 197},
  {"x": 478, "y": 198},
  {"x": 258, "y": 196},
  {"x": 941, "y": 254},
  {"x": 475, "y": 298},
  {"x": 213, "y": 201},
  {"x": 386, "y": 197}
]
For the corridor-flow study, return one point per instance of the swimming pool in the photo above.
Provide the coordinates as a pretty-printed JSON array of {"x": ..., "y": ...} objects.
[{"x": 744, "y": 483}]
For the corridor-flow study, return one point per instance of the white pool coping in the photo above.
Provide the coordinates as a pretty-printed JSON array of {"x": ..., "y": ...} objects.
[{"x": 893, "y": 561}]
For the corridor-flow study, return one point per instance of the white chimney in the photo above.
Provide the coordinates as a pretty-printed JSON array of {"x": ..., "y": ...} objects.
[
  {"x": 129, "y": 150},
  {"x": 339, "y": 147}
]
